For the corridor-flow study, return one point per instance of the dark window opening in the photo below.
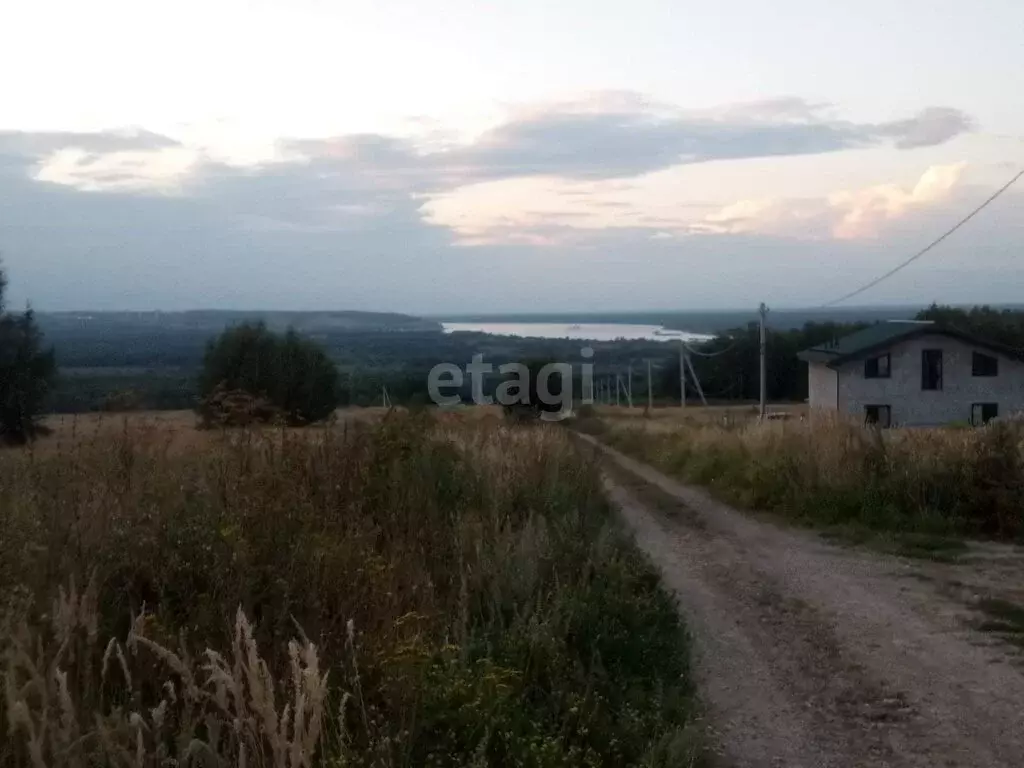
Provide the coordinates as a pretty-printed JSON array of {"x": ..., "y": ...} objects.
[
  {"x": 984, "y": 365},
  {"x": 879, "y": 415},
  {"x": 983, "y": 413},
  {"x": 931, "y": 369},
  {"x": 877, "y": 367}
]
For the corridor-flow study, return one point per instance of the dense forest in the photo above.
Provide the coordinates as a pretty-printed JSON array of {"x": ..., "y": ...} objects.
[{"x": 121, "y": 361}]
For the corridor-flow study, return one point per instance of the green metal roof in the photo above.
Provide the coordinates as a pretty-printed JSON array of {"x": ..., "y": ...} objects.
[{"x": 881, "y": 335}]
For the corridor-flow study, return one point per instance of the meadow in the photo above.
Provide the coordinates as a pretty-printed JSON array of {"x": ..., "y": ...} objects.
[
  {"x": 829, "y": 472},
  {"x": 390, "y": 590}
]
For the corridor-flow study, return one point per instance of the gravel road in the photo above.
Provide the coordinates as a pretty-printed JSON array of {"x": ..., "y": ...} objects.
[{"x": 812, "y": 654}]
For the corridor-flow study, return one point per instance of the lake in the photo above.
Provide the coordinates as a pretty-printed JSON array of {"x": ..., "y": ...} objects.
[{"x": 582, "y": 331}]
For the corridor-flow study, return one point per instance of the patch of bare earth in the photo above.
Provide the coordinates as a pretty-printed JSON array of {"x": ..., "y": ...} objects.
[{"x": 812, "y": 654}]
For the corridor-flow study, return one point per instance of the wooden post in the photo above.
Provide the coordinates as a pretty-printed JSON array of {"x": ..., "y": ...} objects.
[{"x": 762, "y": 311}]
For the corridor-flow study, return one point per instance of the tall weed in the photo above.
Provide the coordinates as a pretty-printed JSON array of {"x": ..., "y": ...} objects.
[
  {"x": 831, "y": 471},
  {"x": 416, "y": 592}
]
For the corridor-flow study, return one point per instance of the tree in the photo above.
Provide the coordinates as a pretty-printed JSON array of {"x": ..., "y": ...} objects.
[
  {"x": 729, "y": 364},
  {"x": 532, "y": 405},
  {"x": 27, "y": 372},
  {"x": 292, "y": 374},
  {"x": 1005, "y": 326}
]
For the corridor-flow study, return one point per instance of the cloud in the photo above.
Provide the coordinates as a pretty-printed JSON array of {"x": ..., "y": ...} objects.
[
  {"x": 139, "y": 171},
  {"x": 846, "y": 215},
  {"x": 625, "y": 136},
  {"x": 599, "y": 137},
  {"x": 562, "y": 166},
  {"x": 863, "y": 211},
  {"x": 550, "y": 211},
  {"x": 621, "y": 134},
  {"x": 370, "y": 220},
  {"x": 931, "y": 126},
  {"x": 511, "y": 210},
  {"x": 123, "y": 160},
  {"x": 35, "y": 144}
]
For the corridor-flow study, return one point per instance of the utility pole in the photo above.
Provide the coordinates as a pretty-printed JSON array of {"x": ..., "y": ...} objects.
[
  {"x": 650, "y": 401},
  {"x": 618, "y": 387},
  {"x": 763, "y": 311},
  {"x": 696, "y": 380},
  {"x": 682, "y": 374},
  {"x": 629, "y": 389}
]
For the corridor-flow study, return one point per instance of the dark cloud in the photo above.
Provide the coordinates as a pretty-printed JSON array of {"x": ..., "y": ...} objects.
[
  {"x": 627, "y": 136},
  {"x": 345, "y": 185},
  {"x": 931, "y": 126},
  {"x": 622, "y": 143}
]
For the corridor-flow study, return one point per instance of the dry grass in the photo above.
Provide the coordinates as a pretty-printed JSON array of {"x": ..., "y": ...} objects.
[
  {"x": 831, "y": 471},
  {"x": 218, "y": 711},
  {"x": 670, "y": 418},
  {"x": 381, "y": 591}
]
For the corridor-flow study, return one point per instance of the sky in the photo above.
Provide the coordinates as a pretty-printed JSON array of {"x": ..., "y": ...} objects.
[{"x": 526, "y": 156}]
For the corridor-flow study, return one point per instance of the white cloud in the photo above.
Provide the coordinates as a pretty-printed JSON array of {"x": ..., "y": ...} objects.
[
  {"x": 774, "y": 216},
  {"x": 843, "y": 215},
  {"x": 512, "y": 211},
  {"x": 863, "y": 211},
  {"x": 158, "y": 170}
]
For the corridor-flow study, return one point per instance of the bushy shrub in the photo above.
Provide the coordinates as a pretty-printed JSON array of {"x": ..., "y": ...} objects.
[
  {"x": 225, "y": 407},
  {"x": 286, "y": 377}
]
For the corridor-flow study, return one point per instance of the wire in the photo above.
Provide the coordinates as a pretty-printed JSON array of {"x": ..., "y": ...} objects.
[
  {"x": 928, "y": 247},
  {"x": 709, "y": 354}
]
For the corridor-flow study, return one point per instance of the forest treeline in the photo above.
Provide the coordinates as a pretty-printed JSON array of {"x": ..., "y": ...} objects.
[{"x": 135, "y": 367}]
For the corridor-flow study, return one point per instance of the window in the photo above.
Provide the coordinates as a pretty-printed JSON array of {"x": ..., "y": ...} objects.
[
  {"x": 931, "y": 369},
  {"x": 877, "y": 367},
  {"x": 983, "y": 413},
  {"x": 879, "y": 415},
  {"x": 984, "y": 365}
]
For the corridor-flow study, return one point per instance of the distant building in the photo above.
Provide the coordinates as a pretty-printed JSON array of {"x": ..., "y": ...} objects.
[{"x": 915, "y": 373}]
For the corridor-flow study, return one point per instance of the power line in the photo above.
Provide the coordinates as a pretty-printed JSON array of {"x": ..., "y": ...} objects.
[
  {"x": 720, "y": 352},
  {"x": 928, "y": 247}
]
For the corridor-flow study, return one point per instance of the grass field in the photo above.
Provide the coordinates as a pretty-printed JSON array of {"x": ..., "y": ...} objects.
[
  {"x": 662, "y": 418},
  {"x": 387, "y": 590},
  {"x": 932, "y": 486}
]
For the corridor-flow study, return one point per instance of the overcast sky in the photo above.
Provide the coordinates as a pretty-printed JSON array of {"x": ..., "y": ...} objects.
[{"x": 519, "y": 155}]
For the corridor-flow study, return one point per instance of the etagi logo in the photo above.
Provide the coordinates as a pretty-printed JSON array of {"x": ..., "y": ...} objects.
[{"x": 516, "y": 387}]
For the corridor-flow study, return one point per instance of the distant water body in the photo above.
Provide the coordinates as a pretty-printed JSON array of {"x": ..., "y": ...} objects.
[{"x": 582, "y": 331}]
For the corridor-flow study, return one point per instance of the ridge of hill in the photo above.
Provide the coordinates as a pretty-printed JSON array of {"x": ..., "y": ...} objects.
[{"x": 215, "y": 320}]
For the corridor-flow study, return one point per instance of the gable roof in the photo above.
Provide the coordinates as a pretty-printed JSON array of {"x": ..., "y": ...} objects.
[{"x": 882, "y": 335}]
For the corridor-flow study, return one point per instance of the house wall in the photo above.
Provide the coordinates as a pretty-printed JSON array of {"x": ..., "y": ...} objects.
[
  {"x": 822, "y": 386},
  {"x": 914, "y": 406}
]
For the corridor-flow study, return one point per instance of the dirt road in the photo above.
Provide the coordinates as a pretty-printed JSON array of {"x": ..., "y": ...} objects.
[{"x": 810, "y": 654}]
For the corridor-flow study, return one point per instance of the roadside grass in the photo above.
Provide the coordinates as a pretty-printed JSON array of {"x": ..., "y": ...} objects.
[
  {"x": 1005, "y": 619},
  {"x": 415, "y": 592},
  {"x": 911, "y": 492},
  {"x": 922, "y": 546}
]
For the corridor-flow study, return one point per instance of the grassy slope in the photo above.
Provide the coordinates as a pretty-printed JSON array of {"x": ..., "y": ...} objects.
[{"x": 463, "y": 583}]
